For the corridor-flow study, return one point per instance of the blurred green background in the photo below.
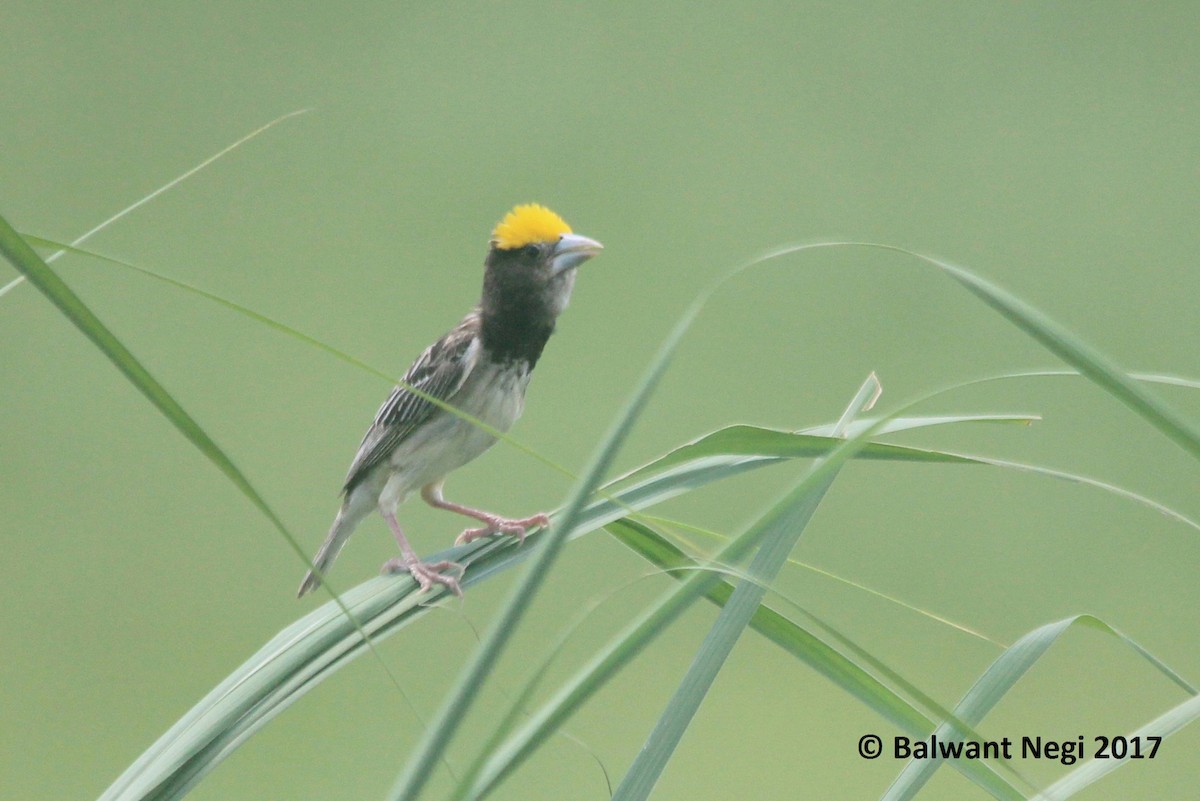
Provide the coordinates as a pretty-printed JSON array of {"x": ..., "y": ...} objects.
[{"x": 1052, "y": 147}]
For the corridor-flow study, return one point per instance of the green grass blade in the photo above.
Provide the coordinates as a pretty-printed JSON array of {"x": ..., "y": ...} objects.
[
  {"x": 41, "y": 276},
  {"x": 780, "y": 530},
  {"x": 621, "y": 650},
  {"x": 164, "y": 188},
  {"x": 23, "y": 257},
  {"x": 757, "y": 445},
  {"x": 846, "y": 673},
  {"x": 516, "y": 711},
  {"x": 793, "y": 638},
  {"x": 293, "y": 662},
  {"x": 1072, "y": 349},
  {"x": 760, "y": 442},
  {"x": 1093, "y": 770},
  {"x": 1090, "y": 361},
  {"x": 998, "y": 679},
  {"x": 1075, "y": 478},
  {"x": 1055, "y": 337},
  {"x": 1148, "y": 378},
  {"x": 850, "y": 674},
  {"x": 234, "y": 306}
]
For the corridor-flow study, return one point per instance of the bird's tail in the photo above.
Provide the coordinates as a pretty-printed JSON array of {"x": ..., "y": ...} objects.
[{"x": 343, "y": 526}]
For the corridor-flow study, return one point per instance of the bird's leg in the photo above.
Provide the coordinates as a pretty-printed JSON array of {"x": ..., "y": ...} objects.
[
  {"x": 426, "y": 574},
  {"x": 492, "y": 524}
]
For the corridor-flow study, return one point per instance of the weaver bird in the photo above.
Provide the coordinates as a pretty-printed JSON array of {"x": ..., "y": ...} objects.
[{"x": 480, "y": 367}]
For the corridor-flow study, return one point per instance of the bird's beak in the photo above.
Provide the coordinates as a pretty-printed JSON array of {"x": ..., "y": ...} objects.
[{"x": 572, "y": 250}]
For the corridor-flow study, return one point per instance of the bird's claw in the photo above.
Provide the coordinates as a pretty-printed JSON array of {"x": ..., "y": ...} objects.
[
  {"x": 426, "y": 574},
  {"x": 503, "y": 525}
]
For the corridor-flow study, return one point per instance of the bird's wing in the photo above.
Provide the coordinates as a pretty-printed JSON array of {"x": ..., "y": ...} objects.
[{"x": 439, "y": 372}]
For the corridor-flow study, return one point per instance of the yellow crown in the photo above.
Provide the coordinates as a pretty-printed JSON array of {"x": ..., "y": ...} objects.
[{"x": 527, "y": 224}]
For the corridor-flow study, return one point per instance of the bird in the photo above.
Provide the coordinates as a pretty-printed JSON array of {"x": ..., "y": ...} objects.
[{"x": 481, "y": 367}]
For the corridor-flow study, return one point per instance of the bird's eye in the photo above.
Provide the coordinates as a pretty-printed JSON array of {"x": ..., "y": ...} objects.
[{"x": 531, "y": 251}]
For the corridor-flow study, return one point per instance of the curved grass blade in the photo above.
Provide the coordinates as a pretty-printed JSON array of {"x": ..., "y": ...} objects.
[
  {"x": 788, "y": 635},
  {"x": 266, "y": 684},
  {"x": 621, "y": 650},
  {"x": 829, "y": 661},
  {"x": 846, "y": 673},
  {"x": 1094, "y": 365},
  {"x": 234, "y": 306},
  {"x": 165, "y": 187},
  {"x": 23, "y": 257},
  {"x": 778, "y": 531},
  {"x": 998, "y": 679},
  {"x": 1093, "y": 770},
  {"x": 1149, "y": 378},
  {"x": 1072, "y": 349},
  {"x": 761, "y": 442},
  {"x": 643, "y": 522},
  {"x": 1075, "y": 478},
  {"x": 756, "y": 444},
  {"x": 517, "y": 709}
]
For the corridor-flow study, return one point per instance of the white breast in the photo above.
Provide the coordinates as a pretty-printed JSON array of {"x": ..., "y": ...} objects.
[{"x": 492, "y": 394}]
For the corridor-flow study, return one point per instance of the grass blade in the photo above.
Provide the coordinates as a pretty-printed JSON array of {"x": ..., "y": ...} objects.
[
  {"x": 165, "y": 187},
  {"x": 290, "y": 664},
  {"x": 1093, "y": 770},
  {"x": 1072, "y": 349},
  {"x": 824, "y": 658},
  {"x": 781, "y": 529},
  {"x": 998, "y": 679},
  {"x": 851, "y": 676},
  {"x": 23, "y": 257},
  {"x": 262, "y": 319},
  {"x": 27, "y": 261},
  {"x": 621, "y": 650},
  {"x": 761, "y": 442},
  {"x": 1090, "y": 361}
]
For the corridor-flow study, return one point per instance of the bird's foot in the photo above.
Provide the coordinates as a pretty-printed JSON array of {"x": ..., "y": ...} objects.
[
  {"x": 494, "y": 524},
  {"x": 426, "y": 574}
]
